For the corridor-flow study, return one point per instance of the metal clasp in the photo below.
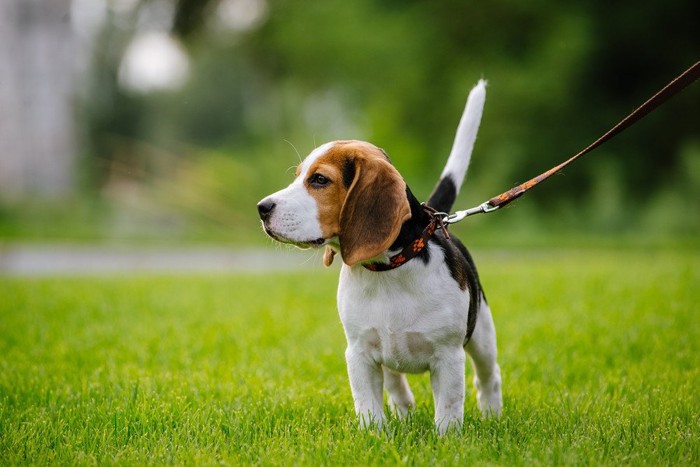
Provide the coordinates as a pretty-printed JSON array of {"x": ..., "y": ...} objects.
[{"x": 459, "y": 215}]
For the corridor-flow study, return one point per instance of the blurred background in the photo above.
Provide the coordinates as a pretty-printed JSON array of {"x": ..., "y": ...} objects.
[{"x": 167, "y": 120}]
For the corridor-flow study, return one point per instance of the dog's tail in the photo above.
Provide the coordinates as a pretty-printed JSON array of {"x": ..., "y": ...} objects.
[{"x": 446, "y": 190}]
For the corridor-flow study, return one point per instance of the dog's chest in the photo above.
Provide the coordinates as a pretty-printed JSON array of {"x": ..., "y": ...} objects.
[
  {"x": 405, "y": 351},
  {"x": 403, "y": 321}
]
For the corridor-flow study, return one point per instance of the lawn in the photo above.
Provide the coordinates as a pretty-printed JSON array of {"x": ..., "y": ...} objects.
[{"x": 599, "y": 349}]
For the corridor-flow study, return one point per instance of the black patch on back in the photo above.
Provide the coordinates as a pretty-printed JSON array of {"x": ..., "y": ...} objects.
[
  {"x": 348, "y": 172},
  {"x": 463, "y": 271},
  {"x": 458, "y": 260},
  {"x": 455, "y": 260},
  {"x": 444, "y": 195},
  {"x": 470, "y": 261}
]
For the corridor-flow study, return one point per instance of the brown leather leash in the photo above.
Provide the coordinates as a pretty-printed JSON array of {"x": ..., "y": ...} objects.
[
  {"x": 681, "y": 82},
  {"x": 440, "y": 220}
]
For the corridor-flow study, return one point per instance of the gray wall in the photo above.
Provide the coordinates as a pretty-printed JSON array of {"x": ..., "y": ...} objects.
[{"x": 37, "y": 85}]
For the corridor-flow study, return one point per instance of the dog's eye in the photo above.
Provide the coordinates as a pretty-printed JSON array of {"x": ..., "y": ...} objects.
[{"x": 318, "y": 180}]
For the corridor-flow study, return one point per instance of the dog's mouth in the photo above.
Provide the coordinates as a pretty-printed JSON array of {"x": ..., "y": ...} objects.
[{"x": 305, "y": 244}]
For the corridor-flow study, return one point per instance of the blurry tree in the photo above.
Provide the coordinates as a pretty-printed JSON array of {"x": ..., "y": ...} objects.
[
  {"x": 190, "y": 16},
  {"x": 397, "y": 72}
]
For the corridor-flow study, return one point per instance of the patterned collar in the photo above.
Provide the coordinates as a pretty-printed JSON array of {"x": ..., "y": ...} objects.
[{"x": 414, "y": 248}]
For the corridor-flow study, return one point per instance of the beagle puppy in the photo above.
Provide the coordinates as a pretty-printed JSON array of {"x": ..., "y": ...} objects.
[{"x": 409, "y": 295}]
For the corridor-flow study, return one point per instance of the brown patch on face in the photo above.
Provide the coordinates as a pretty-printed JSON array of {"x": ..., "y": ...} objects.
[
  {"x": 330, "y": 197},
  {"x": 364, "y": 203},
  {"x": 333, "y": 165}
]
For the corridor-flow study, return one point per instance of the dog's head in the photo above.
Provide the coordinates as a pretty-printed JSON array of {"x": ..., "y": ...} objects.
[{"x": 346, "y": 194}]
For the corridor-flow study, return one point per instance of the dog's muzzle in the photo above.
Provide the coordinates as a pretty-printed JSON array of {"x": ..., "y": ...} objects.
[{"x": 265, "y": 209}]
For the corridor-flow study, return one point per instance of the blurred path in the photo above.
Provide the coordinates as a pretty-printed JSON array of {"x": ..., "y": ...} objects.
[{"x": 24, "y": 260}]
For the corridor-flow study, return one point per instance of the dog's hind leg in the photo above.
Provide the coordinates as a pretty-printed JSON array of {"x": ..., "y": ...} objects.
[
  {"x": 401, "y": 398},
  {"x": 487, "y": 374}
]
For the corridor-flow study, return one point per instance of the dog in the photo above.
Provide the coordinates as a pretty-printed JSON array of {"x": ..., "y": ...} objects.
[{"x": 409, "y": 296}]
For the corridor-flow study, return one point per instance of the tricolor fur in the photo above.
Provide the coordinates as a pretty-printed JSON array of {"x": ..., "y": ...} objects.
[{"x": 419, "y": 317}]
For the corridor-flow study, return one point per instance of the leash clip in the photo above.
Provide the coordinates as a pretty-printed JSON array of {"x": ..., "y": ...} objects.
[{"x": 459, "y": 215}]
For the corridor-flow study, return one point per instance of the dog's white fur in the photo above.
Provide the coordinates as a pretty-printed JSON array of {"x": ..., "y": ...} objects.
[
  {"x": 407, "y": 320},
  {"x": 461, "y": 153},
  {"x": 296, "y": 219}
]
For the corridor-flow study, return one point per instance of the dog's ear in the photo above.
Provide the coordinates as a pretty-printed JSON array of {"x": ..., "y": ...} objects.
[{"x": 375, "y": 208}]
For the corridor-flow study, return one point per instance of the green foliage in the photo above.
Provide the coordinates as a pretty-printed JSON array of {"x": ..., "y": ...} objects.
[
  {"x": 397, "y": 73},
  {"x": 599, "y": 351}
]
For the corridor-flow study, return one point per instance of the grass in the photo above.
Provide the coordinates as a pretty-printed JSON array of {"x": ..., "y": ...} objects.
[{"x": 600, "y": 352}]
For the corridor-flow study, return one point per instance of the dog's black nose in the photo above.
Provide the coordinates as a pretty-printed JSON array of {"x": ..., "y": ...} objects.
[{"x": 265, "y": 208}]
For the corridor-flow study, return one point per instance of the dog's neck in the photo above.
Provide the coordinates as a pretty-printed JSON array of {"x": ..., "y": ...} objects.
[
  {"x": 411, "y": 231},
  {"x": 413, "y": 227}
]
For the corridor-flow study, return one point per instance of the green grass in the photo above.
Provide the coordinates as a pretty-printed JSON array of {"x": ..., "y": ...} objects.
[{"x": 600, "y": 352}]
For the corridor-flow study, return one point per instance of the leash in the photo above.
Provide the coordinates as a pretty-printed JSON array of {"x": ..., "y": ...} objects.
[
  {"x": 440, "y": 220},
  {"x": 681, "y": 82}
]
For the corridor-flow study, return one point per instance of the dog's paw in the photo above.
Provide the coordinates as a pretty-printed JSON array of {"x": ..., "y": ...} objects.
[
  {"x": 402, "y": 406},
  {"x": 370, "y": 422},
  {"x": 446, "y": 426},
  {"x": 488, "y": 396}
]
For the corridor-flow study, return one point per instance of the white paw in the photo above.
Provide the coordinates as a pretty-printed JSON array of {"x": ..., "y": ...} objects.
[{"x": 488, "y": 395}]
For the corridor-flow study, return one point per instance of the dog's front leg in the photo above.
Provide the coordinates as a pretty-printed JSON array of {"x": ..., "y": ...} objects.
[
  {"x": 447, "y": 381},
  {"x": 366, "y": 384}
]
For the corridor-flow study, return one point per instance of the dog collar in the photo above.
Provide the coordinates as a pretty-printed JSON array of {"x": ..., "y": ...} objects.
[{"x": 414, "y": 248}]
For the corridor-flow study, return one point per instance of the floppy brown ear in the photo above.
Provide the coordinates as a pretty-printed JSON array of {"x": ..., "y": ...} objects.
[{"x": 375, "y": 208}]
